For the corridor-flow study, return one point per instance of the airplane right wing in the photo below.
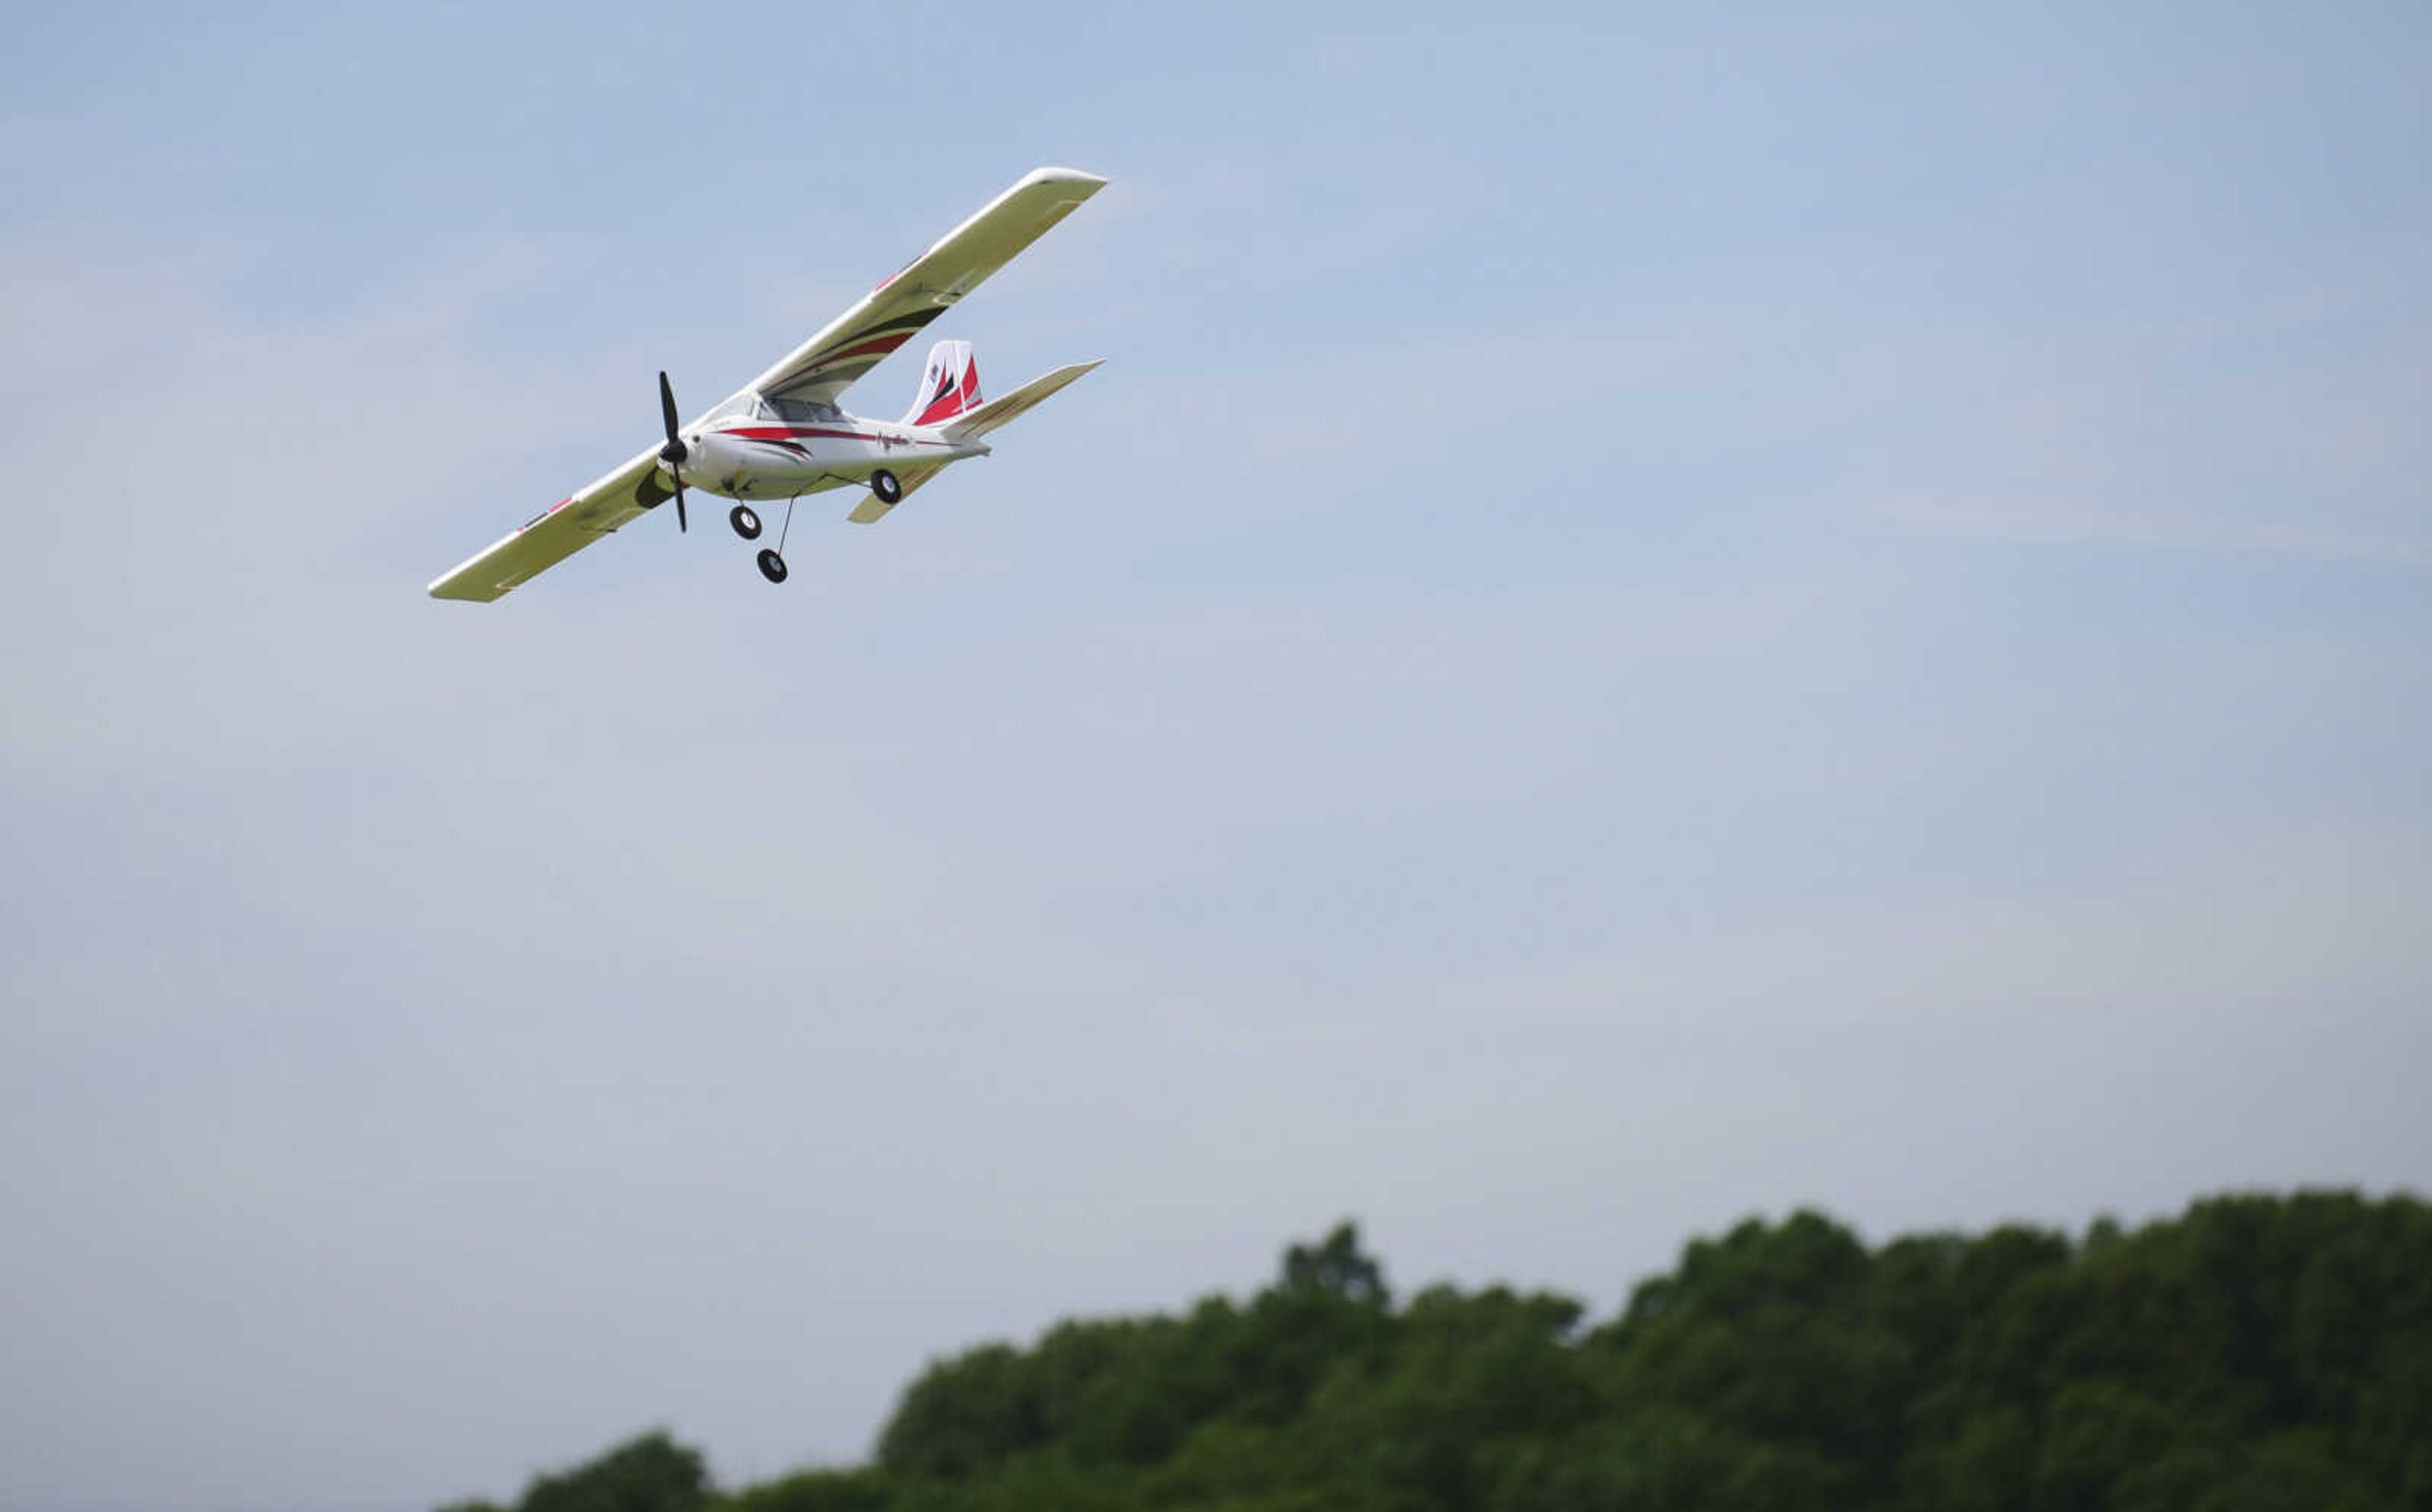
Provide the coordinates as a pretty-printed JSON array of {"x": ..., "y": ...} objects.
[{"x": 924, "y": 288}]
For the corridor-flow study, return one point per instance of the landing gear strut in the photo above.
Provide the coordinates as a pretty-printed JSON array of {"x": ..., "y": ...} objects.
[
  {"x": 885, "y": 485},
  {"x": 772, "y": 566}
]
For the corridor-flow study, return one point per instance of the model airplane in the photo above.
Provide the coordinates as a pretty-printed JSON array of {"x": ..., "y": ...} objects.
[{"x": 783, "y": 436}]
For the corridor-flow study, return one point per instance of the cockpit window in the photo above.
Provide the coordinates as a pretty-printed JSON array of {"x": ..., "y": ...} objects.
[
  {"x": 744, "y": 406},
  {"x": 804, "y": 409}
]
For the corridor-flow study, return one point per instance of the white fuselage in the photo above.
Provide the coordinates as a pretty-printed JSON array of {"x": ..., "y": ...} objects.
[{"x": 750, "y": 449}]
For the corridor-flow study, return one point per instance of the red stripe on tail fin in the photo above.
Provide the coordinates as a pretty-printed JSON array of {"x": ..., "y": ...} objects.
[{"x": 950, "y": 385}]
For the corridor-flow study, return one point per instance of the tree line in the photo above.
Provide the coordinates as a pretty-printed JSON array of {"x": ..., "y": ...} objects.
[{"x": 2257, "y": 1354}]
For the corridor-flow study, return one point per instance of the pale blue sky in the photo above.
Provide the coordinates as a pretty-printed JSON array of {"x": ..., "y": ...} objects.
[{"x": 1653, "y": 617}]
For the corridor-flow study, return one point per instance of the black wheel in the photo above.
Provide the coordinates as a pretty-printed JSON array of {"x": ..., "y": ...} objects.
[
  {"x": 772, "y": 566},
  {"x": 882, "y": 483},
  {"x": 746, "y": 522}
]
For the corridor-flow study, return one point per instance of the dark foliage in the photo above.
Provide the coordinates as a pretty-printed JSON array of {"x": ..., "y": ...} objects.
[
  {"x": 2257, "y": 1353},
  {"x": 652, "y": 1473}
]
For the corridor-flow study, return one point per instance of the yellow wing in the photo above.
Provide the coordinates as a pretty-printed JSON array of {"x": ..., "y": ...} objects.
[
  {"x": 557, "y": 533},
  {"x": 893, "y": 312}
]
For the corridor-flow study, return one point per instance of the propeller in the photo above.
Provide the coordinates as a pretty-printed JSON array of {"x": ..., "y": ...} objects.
[{"x": 674, "y": 452}]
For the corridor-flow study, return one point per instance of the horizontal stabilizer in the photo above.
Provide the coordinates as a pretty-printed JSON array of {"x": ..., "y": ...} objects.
[
  {"x": 998, "y": 411},
  {"x": 873, "y": 509}
]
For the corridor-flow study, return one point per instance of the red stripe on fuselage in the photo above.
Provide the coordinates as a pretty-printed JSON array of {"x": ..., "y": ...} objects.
[{"x": 788, "y": 432}]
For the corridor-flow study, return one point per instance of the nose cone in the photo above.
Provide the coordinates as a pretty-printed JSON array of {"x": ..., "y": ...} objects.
[{"x": 720, "y": 463}]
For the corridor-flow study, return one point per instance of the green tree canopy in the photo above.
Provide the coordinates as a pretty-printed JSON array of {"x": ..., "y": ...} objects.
[{"x": 2257, "y": 1353}]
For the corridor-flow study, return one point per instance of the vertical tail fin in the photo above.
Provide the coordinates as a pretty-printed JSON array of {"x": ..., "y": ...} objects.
[{"x": 950, "y": 385}]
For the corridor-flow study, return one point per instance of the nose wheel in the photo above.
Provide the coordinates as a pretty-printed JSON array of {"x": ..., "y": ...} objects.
[
  {"x": 745, "y": 520},
  {"x": 772, "y": 566}
]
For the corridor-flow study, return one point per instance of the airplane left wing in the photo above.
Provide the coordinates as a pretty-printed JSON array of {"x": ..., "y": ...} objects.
[
  {"x": 557, "y": 533},
  {"x": 893, "y": 312}
]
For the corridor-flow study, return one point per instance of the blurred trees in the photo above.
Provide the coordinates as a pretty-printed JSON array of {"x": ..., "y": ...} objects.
[
  {"x": 2257, "y": 1353},
  {"x": 650, "y": 1474}
]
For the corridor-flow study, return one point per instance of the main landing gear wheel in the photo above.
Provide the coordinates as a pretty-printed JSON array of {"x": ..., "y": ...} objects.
[
  {"x": 746, "y": 522},
  {"x": 882, "y": 483},
  {"x": 772, "y": 566}
]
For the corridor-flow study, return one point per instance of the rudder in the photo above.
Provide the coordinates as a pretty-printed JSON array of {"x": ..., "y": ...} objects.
[{"x": 950, "y": 385}]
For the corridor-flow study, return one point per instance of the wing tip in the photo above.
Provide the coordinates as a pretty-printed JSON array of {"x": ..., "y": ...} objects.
[
  {"x": 1087, "y": 183},
  {"x": 462, "y": 583}
]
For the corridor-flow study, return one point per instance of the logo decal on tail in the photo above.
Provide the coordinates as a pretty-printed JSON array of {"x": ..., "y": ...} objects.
[{"x": 950, "y": 385}]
